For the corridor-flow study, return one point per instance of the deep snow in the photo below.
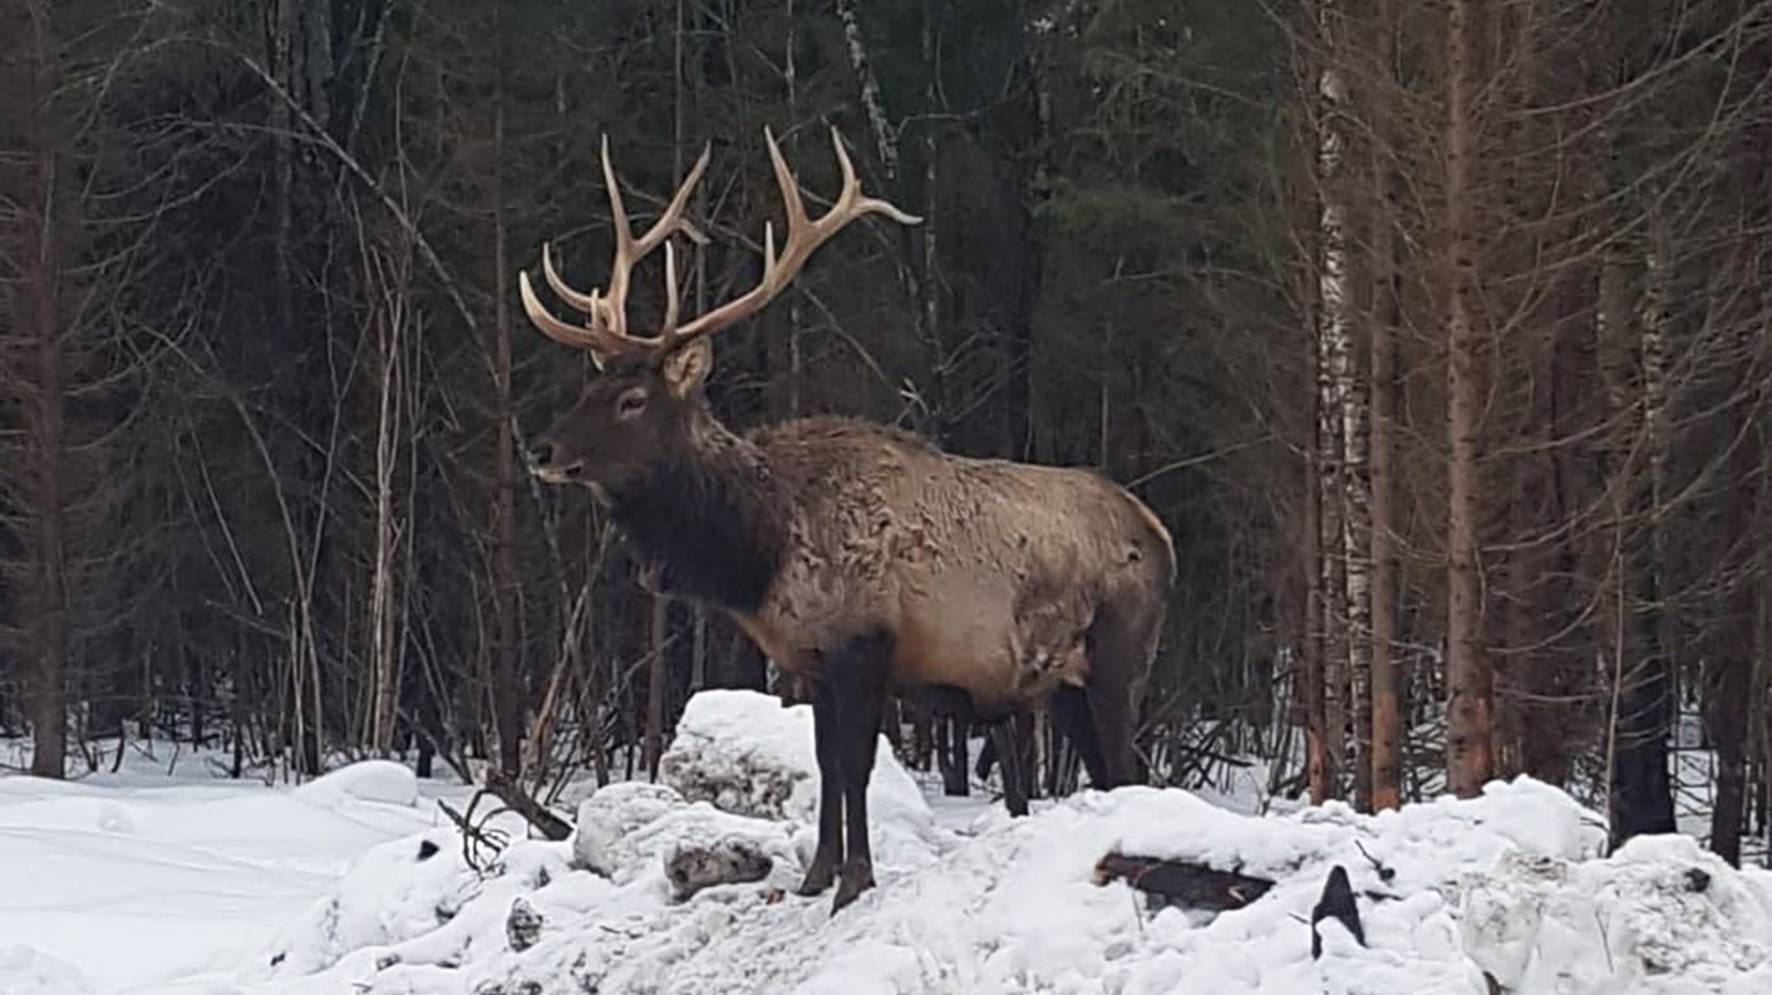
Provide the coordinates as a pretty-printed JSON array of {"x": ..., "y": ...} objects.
[
  {"x": 244, "y": 890},
  {"x": 121, "y": 882}
]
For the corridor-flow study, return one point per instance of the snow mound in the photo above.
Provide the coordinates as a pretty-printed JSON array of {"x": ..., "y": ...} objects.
[
  {"x": 369, "y": 780},
  {"x": 746, "y": 754},
  {"x": 609, "y": 815},
  {"x": 743, "y": 753},
  {"x": 408, "y": 901},
  {"x": 177, "y": 874},
  {"x": 1667, "y": 916},
  {"x": 397, "y": 890},
  {"x": 28, "y": 971},
  {"x": 629, "y": 831}
]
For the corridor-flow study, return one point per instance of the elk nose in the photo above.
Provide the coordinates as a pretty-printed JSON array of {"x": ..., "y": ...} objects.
[{"x": 542, "y": 453}]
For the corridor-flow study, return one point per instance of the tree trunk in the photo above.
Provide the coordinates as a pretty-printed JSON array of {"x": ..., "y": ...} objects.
[
  {"x": 49, "y": 711},
  {"x": 1550, "y": 735},
  {"x": 928, "y": 283},
  {"x": 1726, "y": 699},
  {"x": 655, "y": 684},
  {"x": 1316, "y": 753},
  {"x": 1334, "y": 381},
  {"x": 1642, "y": 788},
  {"x": 1386, "y": 770},
  {"x": 507, "y": 690},
  {"x": 384, "y": 655},
  {"x": 1469, "y": 679},
  {"x": 284, "y": 51},
  {"x": 39, "y": 260},
  {"x": 1013, "y": 276}
]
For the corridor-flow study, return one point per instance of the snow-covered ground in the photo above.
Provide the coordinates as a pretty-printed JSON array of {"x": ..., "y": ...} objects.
[
  {"x": 354, "y": 884},
  {"x": 121, "y": 882}
]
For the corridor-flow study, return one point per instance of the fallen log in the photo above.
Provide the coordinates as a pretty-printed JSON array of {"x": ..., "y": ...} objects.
[
  {"x": 690, "y": 868},
  {"x": 1182, "y": 883}
]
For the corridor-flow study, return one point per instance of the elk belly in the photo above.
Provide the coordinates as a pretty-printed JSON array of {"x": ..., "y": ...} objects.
[{"x": 958, "y": 652}]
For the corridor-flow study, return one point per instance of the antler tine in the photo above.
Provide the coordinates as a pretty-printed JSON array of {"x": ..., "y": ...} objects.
[
  {"x": 579, "y": 338},
  {"x": 670, "y": 316},
  {"x": 602, "y": 343},
  {"x": 607, "y": 333},
  {"x": 628, "y": 250},
  {"x": 851, "y": 203},
  {"x": 623, "y": 263},
  {"x": 672, "y": 218},
  {"x": 791, "y": 203},
  {"x": 804, "y": 236},
  {"x": 588, "y": 303}
]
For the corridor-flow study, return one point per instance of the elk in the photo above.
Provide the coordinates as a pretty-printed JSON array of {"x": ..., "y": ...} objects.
[{"x": 858, "y": 556}]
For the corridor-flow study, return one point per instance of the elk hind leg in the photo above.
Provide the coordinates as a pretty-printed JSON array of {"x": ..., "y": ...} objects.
[
  {"x": 1070, "y": 713},
  {"x": 857, "y": 677},
  {"x": 1122, "y": 642},
  {"x": 825, "y": 734}
]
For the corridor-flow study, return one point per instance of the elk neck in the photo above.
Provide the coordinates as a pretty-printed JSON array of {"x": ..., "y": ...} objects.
[{"x": 712, "y": 512}]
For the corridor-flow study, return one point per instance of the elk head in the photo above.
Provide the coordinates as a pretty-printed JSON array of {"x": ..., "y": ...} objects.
[{"x": 650, "y": 397}]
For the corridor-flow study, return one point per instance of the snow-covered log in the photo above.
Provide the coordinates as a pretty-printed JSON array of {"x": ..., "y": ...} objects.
[{"x": 1184, "y": 883}]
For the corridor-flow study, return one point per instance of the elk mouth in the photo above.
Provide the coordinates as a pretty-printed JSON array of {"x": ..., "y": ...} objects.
[
  {"x": 555, "y": 474},
  {"x": 572, "y": 473}
]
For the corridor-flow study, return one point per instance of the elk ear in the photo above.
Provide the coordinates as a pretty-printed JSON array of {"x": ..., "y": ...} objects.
[{"x": 687, "y": 369}]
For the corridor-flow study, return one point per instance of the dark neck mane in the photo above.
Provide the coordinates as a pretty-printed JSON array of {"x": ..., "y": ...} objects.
[{"x": 713, "y": 517}]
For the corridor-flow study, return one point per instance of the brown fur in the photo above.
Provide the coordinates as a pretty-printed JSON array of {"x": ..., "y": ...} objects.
[{"x": 973, "y": 565}]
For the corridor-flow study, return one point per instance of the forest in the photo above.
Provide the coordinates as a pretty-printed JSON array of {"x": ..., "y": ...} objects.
[{"x": 1438, "y": 335}]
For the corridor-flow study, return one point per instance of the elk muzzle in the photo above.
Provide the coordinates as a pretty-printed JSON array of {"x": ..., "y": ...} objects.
[{"x": 547, "y": 461}]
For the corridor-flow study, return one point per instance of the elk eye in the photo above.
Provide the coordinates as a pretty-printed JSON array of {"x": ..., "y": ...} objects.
[{"x": 630, "y": 403}]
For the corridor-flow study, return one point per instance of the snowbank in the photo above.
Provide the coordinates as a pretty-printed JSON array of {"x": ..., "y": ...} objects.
[
  {"x": 1665, "y": 916},
  {"x": 29, "y": 971},
  {"x": 131, "y": 880},
  {"x": 1509, "y": 883},
  {"x": 746, "y": 754},
  {"x": 743, "y": 753},
  {"x": 370, "y": 780}
]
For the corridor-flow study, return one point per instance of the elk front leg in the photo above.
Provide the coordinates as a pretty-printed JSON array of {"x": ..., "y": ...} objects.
[
  {"x": 1007, "y": 737},
  {"x": 829, "y": 854},
  {"x": 858, "y": 681}
]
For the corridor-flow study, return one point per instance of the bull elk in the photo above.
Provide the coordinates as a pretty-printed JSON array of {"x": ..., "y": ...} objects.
[{"x": 857, "y": 556}]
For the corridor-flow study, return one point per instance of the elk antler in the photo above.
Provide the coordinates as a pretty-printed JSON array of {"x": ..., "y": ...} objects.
[
  {"x": 607, "y": 333},
  {"x": 804, "y": 236}
]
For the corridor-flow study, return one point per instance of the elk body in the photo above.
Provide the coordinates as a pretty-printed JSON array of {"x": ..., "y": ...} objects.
[{"x": 859, "y": 556}]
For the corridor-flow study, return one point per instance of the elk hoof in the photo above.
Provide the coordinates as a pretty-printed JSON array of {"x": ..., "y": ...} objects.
[
  {"x": 853, "y": 881},
  {"x": 818, "y": 878}
]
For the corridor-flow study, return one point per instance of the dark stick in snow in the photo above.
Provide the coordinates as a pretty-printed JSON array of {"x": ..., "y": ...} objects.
[{"x": 1337, "y": 903}]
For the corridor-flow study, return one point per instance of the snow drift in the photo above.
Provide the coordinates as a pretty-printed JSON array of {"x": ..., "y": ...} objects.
[
  {"x": 1509, "y": 885},
  {"x": 144, "y": 879}
]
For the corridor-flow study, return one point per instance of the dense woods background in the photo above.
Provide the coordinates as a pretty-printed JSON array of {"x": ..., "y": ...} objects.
[{"x": 1438, "y": 334}]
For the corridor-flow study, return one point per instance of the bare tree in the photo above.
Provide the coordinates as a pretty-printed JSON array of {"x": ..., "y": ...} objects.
[
  {"x": 1469, "y": 679},
  {"x": 1385, "y": 710}
]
